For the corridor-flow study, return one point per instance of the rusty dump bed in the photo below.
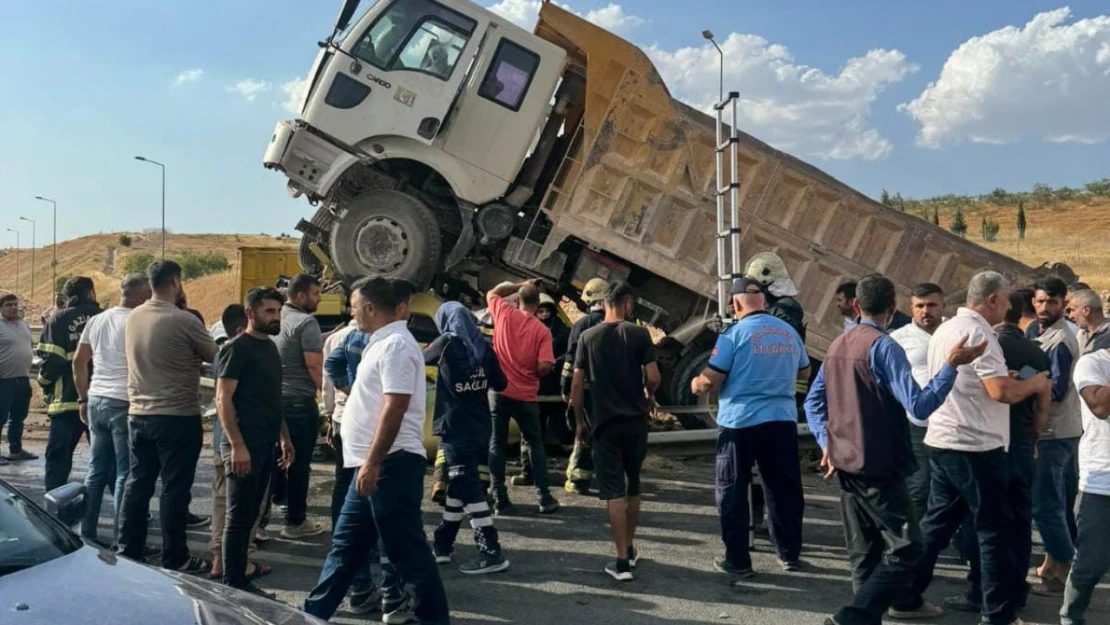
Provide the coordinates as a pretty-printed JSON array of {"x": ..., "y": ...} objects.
[{"x": 639, "y": 181}]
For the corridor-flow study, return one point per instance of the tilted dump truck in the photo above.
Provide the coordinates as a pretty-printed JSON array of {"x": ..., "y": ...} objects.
[{"x": 441, "y": 143}]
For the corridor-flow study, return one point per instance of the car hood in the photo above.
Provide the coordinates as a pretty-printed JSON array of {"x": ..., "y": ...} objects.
[{"x": 92, "y": 587}]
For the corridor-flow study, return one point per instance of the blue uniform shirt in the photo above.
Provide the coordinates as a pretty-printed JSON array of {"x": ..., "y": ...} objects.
[
  {"x": 761, "y": 355},
  {"x": 342, "y": 364}
]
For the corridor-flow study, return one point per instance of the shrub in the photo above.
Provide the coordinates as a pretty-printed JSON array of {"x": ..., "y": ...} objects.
[
  {"x": 138, "y": 263},
  {"x": 125, "y": 240},
  {"x": 198, "y": 264},
  {"x": 959, "y": 225},
  {"x": 990, "y": 230}
]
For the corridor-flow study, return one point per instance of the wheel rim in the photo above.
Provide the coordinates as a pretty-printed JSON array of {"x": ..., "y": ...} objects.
[{"x": 382, "y": 244}]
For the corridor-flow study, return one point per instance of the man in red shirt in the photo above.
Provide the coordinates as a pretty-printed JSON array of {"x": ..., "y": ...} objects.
[{"x": 523, "y": 347}]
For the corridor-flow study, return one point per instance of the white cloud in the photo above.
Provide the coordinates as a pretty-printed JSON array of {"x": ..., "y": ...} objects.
[
  {"x": 524, "y": 13},
  {"x": 294, "y": 91},
  {"x": 797, "y": 108},
  {"x": 188, "y": 76},
  {"x": 1048, "y": 80},
  {"x": 249, "y": 88}
]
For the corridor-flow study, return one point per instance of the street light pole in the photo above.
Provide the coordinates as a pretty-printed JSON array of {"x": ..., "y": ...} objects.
[
  {"x": 708, "y": 34},
  {"x": 16, "y": 257},
  {"x": 54, "y": 261},
  {"x": 33, "y": 244},
  {"x": 147, "y": 160}
]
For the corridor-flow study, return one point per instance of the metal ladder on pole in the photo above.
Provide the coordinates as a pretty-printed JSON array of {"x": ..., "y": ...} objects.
[{"x": 730, "y": 270}]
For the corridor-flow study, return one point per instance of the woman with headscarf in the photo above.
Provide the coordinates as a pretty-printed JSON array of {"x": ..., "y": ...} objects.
[{"x": 468, "y": 370}]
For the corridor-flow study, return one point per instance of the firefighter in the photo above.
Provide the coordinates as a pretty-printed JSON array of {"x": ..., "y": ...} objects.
[
  {"x": 580, "y": 467},
  {"x": 56, "y": 349}
]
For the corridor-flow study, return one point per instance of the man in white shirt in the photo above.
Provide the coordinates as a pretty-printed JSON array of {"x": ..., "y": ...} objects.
[
  {"x": 846, "y": 303},
  {"x": 383, "y": 436},
  {"x": 1092, "y": 545},
  {"x": 927, "y": 306},
  {"x": 968, "y": 437},
  {"x": 103, "y": 400}
]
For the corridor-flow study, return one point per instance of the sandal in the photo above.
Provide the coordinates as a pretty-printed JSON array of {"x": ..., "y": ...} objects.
[
  {"x": 1050, "y": 587},
  {"x": 195, "y": 566},
  {"x": 260, "y": 570}
]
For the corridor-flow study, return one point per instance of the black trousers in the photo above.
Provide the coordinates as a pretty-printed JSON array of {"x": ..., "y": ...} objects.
[
  {"x": 166, "y": 446},
  {"x": 302, "y": 417},
  {"x": 883, "y": 544},
  {"x": 774, "y": 447},
  {"x": 66, "y": 430},
  {"x": 15, "y": 401},
  {"x": 244, "y": 504},
  {"x": 978, "y": 482}
]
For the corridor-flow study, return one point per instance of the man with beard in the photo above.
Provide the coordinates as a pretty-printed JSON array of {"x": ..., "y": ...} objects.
[
  {"x": 248, "y": 400},
  {"x": 301, "y": 346},
  {"x": 56, "y": 348},
  {"x": 927, "y": 305},
  {"x": 1056, "y": 478},
  {"x": 1094, "y": 329}
]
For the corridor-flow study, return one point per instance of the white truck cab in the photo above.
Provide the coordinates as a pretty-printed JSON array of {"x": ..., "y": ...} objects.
[{"x": 445, "y": 83}]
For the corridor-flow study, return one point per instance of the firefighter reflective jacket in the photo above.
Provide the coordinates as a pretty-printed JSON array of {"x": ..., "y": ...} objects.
[{"x": 56, "y": 348}]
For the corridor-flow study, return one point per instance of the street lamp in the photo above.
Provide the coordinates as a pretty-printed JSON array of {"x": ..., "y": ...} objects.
[
  {"x": 33, "y": 244},
  {"x": 54, "y": 262},
  {"x": 16, "y": 256},
  {"x": 708, "y": 34},
  {"x": 147, "y": 160}
]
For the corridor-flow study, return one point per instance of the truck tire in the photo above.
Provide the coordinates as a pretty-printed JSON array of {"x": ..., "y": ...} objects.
[
  {"x": 387, "y": 233},
  {"x": 688, "y": 367}
]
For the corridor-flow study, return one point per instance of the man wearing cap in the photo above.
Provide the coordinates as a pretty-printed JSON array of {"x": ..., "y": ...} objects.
[
  {"x": 755, "y": 364},
  {"x": 580, "y": 467}
]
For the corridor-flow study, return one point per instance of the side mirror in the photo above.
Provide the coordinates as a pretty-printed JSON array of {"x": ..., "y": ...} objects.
[{"x": 68, "y": 503}]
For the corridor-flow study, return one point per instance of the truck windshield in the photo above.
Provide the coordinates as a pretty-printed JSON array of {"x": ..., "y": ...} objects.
[
  {"x": 416, "y": 35},
  {"x": 342, "y": 35},
  {"x": 27, "y": 536}
]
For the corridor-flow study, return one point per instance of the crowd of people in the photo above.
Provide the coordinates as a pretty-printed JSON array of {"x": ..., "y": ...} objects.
[{"x": 971, "y": 429}]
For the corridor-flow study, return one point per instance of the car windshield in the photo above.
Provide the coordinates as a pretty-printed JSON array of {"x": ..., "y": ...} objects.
[{"x": 27, "y": 536}]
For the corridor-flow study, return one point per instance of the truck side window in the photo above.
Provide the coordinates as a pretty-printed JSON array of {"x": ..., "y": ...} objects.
[
  {"x": 416, "y": 35},
  {"x": 509, "y": 75}
]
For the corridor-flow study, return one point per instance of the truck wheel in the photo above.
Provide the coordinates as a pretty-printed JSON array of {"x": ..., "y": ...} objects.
[
  {"x": 386, "y": 233},
  {"x": 686, "y": 370}
]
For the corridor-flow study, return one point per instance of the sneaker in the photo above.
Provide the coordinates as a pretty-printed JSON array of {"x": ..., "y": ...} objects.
[
  {"x": 548, "y": 504},
  {"x": 304, "y": 530},
  {"x": 723, "y": 565},
  {"x": 151, "y": 554},
  {"x": 3, "y": 461},
  {"x": 364, "y": 602},
  {"x": 442, "y": 557},
  {"x": 399, "y": 613},
  {"x": 620, "y": 571},
  {"x": 522, "y": 480},
  {"x": 261, "y": 537},
  {"x": 577, "y": 488},
  {"x": 501, "y": 505},
  {"x": 258, "y": 592},
  {"x": 21, "y": 455},
  {"x": 194, "y": 521},
  {"x": 790, "y": 566},
  {"x": 485, "y": 564},
  {"x": 927, "y": 610},
  {"x": 960, "y": 603},
  {"x": 633, "y": 556}
]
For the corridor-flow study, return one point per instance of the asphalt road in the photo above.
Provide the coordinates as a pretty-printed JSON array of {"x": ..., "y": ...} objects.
[{"x": 556, "y": 575}]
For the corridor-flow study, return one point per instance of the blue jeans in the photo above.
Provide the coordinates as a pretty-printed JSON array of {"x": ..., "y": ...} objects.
[
  {"x": 302, "y": 417},
  {"x": 108, "y": 444},
  {"x": 393, "y": 514},
  {"x": 1050, "y": 495}
]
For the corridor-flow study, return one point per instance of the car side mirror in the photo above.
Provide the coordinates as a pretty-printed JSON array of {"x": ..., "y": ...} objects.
[{"x": 68, "y": 503}]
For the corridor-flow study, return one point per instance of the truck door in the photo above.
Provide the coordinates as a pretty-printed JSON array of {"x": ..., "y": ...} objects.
[
  {"x": 405, "y": 61},
  {"x": 506, "y": 101}
]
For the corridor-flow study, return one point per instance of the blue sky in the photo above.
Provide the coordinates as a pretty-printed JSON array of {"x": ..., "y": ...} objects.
[{"x": 872, "y": 91}]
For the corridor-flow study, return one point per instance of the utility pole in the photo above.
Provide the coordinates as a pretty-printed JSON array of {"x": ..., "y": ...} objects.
[
  {"x": 54, "y": 261},
  {"x": 16, "y": 257},
  {"x": 147, "y": 160},
  {"x": 33, "y": 244},
  {"x": 708, "y": 34}
]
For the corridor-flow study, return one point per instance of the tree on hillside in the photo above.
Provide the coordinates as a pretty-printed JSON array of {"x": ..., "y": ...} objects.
[
  {"x": 959, "y": 224},
  {"x": 990, "y": 230},
  {"x": 1021, "y": 221},
  {"x": 897, "y": 201},
  {"x": 936, "y": 217},
  {"x": 125, "y": 240},
  {"x": 1099, "y": 187},
  {"x": 884, "y": 199},
  {"x": 998, "y": 196},
  {"x": 1042, "y": 194},
  {"x": 138, "y": 263}
]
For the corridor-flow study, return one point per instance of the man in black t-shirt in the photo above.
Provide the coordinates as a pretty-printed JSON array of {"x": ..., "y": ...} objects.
[
  {"x": 618, "y": 359},
  {"x": 248, "y": 401}
]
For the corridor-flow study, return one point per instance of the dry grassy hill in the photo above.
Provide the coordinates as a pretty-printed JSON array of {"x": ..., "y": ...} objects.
[
  {"x": 89, "y": 256},
  {"x": 1076, "y": 233}
]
